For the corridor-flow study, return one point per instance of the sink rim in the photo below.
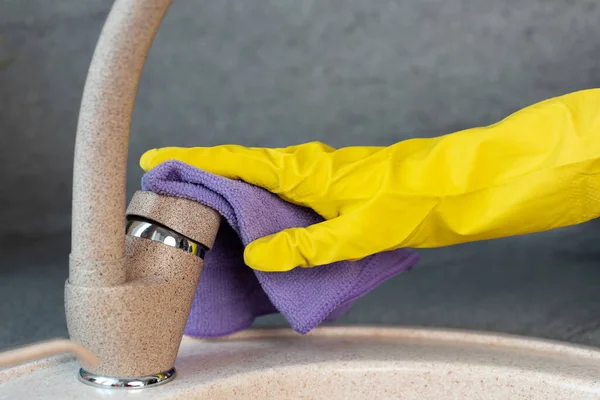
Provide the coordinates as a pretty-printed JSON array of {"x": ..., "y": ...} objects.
[
  {"x": 429, "y": 334},
  {"x": 353, "y": 336}
]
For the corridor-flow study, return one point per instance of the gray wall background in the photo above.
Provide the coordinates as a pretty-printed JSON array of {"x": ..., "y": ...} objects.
[{"x": 275, "y": 73}]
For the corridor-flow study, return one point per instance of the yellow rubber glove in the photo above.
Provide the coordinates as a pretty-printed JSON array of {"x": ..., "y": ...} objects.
[{"x": 536, "y": 170}]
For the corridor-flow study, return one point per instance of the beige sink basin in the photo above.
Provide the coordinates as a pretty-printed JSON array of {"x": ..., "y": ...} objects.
[{"x": 344, "y": 363}]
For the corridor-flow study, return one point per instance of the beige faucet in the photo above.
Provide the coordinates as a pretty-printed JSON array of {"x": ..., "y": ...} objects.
[{"x": 132, "y": 273}]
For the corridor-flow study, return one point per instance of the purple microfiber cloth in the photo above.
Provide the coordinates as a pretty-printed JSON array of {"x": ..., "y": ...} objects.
[{"x": 230, "y": 295}]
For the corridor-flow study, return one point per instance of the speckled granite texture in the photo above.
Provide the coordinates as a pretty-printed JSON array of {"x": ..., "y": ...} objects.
[
  {"x": 512, "y": 285},
  {"x": 282, "y": 72}
]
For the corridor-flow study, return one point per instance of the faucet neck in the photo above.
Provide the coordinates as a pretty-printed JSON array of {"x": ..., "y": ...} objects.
[{"x": 99, "y": 173}]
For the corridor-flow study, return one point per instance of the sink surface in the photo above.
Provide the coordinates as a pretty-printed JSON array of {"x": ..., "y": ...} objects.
[{"x": 344, "y": 363}]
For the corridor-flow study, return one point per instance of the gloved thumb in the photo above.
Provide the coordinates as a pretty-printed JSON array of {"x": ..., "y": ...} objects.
[{"x": 316, "y": 245}]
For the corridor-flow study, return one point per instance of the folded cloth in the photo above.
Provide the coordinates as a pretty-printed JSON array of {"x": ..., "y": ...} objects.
[{"x": 230, "y": 295}]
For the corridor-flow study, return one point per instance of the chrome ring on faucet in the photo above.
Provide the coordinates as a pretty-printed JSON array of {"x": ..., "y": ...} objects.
[
  {"x": 108, "y": 382},
  {"x": 145, "y": 229}
]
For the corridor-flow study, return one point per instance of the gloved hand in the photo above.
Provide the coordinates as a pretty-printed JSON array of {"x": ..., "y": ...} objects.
[{"x": 536, "y": 170}]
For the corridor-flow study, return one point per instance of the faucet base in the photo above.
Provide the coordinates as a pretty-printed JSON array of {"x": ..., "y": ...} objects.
[
  {"x": 109, "y": 382},
  {"x": 135, "y": 326}
]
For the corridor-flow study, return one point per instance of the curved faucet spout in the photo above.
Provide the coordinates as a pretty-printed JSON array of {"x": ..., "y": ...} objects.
[
  {"x": 99, "y": 176},
  {"x": 121, "y": 300}
]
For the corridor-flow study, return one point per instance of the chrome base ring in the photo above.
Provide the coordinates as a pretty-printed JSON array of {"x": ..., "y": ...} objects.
[{"x": 109, "y": 382}]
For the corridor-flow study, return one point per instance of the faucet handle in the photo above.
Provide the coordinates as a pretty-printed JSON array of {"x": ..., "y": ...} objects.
[{"x": 183, "y": 216}]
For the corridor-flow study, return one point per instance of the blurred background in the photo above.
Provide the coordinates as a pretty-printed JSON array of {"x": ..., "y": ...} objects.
[{"x": 276, "y": 73}]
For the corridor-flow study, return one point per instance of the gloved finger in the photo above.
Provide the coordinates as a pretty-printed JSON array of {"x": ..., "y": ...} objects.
[
  {"x": 334, "y": 240},
  {"x": 256, "y": 166},
  {"x": 287, "y": 172}
]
